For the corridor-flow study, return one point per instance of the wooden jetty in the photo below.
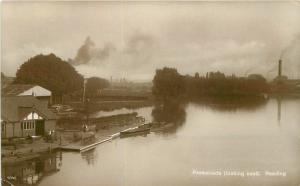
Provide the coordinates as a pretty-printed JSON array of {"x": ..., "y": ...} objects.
[{"x": 81, "y": 148}]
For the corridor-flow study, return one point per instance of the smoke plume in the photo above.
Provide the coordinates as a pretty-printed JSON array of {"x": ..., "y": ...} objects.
[
  {"x": 291, "y": 46},
  {"x": 291, "y": 55},
  {"x": 88, "y": 53}
]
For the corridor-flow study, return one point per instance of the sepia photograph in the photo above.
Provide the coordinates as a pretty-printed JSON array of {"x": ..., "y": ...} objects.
[{"x": 150, "y": 93}]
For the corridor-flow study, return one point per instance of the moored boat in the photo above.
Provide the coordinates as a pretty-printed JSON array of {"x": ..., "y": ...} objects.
[
  {"x": 161, "y": 126},
  {"x": 135, "y": 131},
  {"x": 145, "y": 126}
]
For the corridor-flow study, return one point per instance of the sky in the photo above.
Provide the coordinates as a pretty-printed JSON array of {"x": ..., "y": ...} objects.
[{"x": 132, "y": 39}]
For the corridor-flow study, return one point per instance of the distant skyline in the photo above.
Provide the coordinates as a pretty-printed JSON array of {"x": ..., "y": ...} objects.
[{"x": 132, "y": 39}]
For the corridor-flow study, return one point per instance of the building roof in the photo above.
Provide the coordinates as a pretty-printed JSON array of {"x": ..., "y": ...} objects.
[
  {"x": 15, "y": 108},
  {"x": 25, "y": 90},
  {"x": 16, "y": 89}
]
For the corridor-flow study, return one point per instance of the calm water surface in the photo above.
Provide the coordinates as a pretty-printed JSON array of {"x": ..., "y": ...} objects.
[{"x": 210, "y": 138}]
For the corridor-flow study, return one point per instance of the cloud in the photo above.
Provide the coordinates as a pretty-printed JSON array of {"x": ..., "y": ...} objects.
[
  {"x": 133, "y": 40},
  {"x": 145, "y": 53},
  {"x": 138, "y": 43},
  {"x": 11, "y": 62}
]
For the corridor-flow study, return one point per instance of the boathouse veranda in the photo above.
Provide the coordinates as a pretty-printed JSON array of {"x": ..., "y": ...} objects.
[{"x": 23, "y": 116}]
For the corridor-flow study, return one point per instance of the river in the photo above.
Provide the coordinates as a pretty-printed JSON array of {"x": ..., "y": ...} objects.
[{"x": 212, "y": 145}]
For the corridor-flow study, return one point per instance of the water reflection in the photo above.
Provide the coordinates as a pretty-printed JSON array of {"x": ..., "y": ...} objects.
[
  {"x": 233, "y": 104},
  {"x": 173, "y": 112},
  {"x": 278, "y": 110},
  {"x": 89, "y": 156},
  {"x": 171, "y": 116},
  {"x": 208, "y": 140},
  {"x": 31, "y": 172}
]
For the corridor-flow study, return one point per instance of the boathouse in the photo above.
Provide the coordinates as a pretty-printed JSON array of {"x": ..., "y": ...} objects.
[{"x": 25, "y": 115}]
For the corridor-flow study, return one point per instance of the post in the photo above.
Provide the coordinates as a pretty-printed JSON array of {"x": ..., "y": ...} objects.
[
  {"x": 84, "y": 101},
  {"x": 84, "y": 90},
  {"x": 279, "y": 68},
  {"x": 50, "y": 148}
]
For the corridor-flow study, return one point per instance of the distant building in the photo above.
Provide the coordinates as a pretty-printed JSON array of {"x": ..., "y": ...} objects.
[
  {"x": 256, "y": 77},
  {"x": 25, "y": 115},
  {"x": 282, "y": 84}
]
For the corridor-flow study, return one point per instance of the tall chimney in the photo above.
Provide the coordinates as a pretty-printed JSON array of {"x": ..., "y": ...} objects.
[{"x": 279, "y": 67}]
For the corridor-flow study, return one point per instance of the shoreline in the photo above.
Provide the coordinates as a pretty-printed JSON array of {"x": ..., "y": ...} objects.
[{"x": 38, "y": 148}]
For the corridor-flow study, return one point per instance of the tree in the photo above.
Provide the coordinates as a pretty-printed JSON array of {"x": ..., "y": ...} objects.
[
  {"x": 94, "y": 85},
  {"x": 50, "y": 72},
  {"x": 168, "y": 84}
]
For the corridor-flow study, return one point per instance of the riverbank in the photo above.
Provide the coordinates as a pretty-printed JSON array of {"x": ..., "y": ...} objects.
[
  {"x": 64, "y": 141},
  {"x": 69, "y": 133},
  {"x": 26, "y": 150}
]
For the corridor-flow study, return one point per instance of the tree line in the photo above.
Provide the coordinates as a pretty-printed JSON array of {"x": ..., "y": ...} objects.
[{"x": 169, "y": 84}]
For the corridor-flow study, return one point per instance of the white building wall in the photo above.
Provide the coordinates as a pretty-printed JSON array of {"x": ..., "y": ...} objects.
[
  {"x": 18, "y": 130},
  {"x": 8, "y": 130}
]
